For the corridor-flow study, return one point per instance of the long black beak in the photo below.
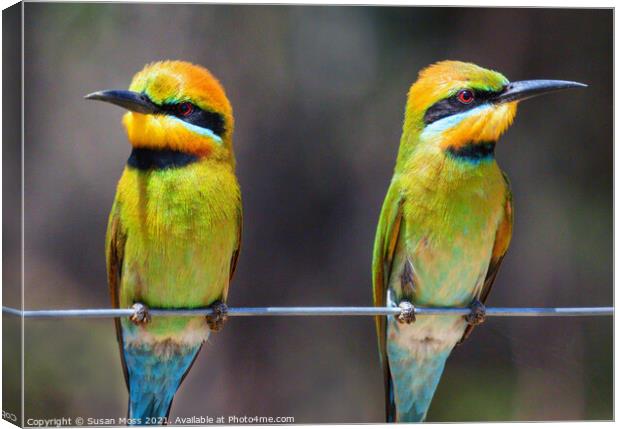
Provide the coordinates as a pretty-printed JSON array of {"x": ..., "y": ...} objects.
[
  {"x": 130, "y": 100},
  {"x": 524, "y": 89}
]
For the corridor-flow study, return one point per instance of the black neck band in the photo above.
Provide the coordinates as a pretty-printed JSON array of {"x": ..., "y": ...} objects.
[
  {"x": 473, "y": 152},
  {"x": 159, "y": 159}
]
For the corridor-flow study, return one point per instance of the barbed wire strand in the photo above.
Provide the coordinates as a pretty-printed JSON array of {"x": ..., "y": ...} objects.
[{"x": 314, "y": 311}]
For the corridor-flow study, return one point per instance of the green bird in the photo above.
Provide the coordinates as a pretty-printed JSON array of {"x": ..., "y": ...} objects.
[
  {"x": 174, "y": 231},
  {"x": 445, "y": 225}
]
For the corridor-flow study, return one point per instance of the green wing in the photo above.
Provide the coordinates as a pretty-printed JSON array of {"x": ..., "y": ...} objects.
[
  {"x": 500, "y": 247},
  {"x": 235, "y": 256},
  {"x": 385, "y": 243},
  {"x": 115, "y": 249}
]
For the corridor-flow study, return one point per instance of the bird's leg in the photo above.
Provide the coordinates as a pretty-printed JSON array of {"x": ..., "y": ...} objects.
[
  {"x": 141, "y": 315},
  {"x": 407, "y": 283},
  {"x": 219, "y": 316},
  {"x": 477, "y": 314},
  {"x": 407, "y": 286}
]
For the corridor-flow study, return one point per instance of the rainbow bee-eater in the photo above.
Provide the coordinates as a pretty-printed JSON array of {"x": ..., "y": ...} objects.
[
  {"x": 175, "y": 227},
  {"x": 445, "y": 225}
]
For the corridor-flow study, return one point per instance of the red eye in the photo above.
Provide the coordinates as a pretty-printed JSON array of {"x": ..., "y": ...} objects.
[
  {"x": 185, "y": 109},
  {"x": 465, "y": 96}
]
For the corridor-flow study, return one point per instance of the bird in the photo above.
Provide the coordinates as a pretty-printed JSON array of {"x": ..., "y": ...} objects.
[
  {"x": 445, "y": 224},
  {"x": 174, "y": 230}
]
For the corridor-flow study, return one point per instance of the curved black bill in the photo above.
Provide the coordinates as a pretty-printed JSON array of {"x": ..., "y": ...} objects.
[
  {"x": 524, "y": 89},
  {"x": 130, "y": 100}
]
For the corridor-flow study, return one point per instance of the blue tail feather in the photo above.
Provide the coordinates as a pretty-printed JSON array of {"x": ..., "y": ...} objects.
[
  {"x": 154, "y": 378},
  {"x": 413, "y": 383}
]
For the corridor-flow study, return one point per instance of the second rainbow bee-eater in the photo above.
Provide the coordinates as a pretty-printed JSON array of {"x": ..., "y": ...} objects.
[
  {"x": 175, "y": 227},
  {"x": 445, "y": 225}
]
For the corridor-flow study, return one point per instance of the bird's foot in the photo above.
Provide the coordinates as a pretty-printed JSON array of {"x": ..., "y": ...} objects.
[
  {"x": 219, "y": 316},
  {"x": 477, "y": 314},
  {"x": 407, "y": 312},
  {"x": 141, "y": 315}
]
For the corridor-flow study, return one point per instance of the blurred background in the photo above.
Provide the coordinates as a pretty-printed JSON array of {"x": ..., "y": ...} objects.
[{"x": 319, "y": 94}]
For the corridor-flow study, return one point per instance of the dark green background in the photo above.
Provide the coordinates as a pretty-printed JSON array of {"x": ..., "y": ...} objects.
[{"x": 319, "y": 94}]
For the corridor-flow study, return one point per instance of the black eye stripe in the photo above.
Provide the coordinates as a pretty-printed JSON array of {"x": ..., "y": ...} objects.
[
  {"x": 201, "y": 118},
  {"x": 451, "y": 105}
]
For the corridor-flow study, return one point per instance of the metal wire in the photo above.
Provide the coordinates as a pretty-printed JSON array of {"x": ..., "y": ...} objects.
[{"x": 313, "y": 311}]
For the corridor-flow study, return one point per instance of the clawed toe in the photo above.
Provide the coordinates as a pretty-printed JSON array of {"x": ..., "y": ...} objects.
[
  {"x": 477, "y": 314},
  {"x": 407, "y": 312},
  {"x": 141, "y": 315},
  {"x": 219, "y": 316}
]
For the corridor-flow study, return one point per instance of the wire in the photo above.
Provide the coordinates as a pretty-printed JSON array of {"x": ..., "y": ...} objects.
[{"x": 314, "y": 311}]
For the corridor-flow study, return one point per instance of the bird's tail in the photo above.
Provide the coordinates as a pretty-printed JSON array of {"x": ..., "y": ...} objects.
[
  {"x": 413, "y": 384},
  {"x": 155, "y": 374}
]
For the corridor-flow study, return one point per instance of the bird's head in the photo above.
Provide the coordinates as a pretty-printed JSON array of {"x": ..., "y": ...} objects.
[
  {"x": 460, "y": 107},
  {"x": 176, "y": 105}
]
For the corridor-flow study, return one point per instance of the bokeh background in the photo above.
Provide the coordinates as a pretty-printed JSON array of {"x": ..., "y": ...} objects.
[{"x": 319, "y": 94}]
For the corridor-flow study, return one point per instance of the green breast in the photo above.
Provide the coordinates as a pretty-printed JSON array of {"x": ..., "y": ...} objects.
[
  {"x": 182, "y": 228},
  {"x": 449, "y": 230}
]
